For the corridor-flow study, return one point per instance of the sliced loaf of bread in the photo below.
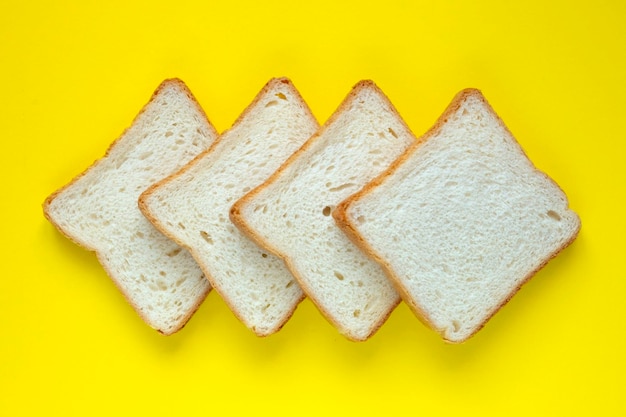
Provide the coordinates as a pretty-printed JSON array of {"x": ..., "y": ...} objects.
[
  {"x": 192, "y": 206},
  {"x": 98, "y": 209},
  {"x": 461, "y": 220},
  {"x": 290, "y": 213}
]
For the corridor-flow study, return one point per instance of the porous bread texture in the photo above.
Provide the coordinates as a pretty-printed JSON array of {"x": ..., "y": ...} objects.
[
  {"x": 290, "y": 213},
  {"x": 461, "y": 220},
  {"x": 192, "y": 206},
  {"x": 98, "y": 209}
]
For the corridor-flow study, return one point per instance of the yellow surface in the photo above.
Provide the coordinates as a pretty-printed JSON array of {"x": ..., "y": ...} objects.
[{"x": 74, "y": 74}]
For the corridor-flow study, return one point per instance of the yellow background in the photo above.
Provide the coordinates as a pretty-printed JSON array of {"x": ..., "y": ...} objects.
[{"x": 74, "y": 74}]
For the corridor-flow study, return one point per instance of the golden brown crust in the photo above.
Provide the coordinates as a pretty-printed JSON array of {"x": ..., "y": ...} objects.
[
  {"x": 238, "y": 219},
  {"x": 143, "y": 198},
  {"x": 48, "y": 201},
  {"x": 343, "y": 221}
]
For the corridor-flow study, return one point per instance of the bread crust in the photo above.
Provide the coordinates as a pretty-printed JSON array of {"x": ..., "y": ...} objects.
[
  {"x": 238, "y": 219},
  {"x": 343, "y": 221},
  {"x": 77, "y": 240},
  {"x": 145, "y": 209}
]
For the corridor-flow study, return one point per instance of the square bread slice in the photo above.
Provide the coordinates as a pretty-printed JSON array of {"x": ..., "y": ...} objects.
[
  {"x": 192, "y": 206},
  {"x": 98, "y": 209},
  {"x": 290, "y": 213},
  {"x": 461, "y": 220}
]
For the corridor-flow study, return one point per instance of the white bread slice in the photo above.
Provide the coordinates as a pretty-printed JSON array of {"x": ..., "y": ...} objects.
[
  {"x": 461, "y": 220},
  {"x": 290, "y": 213},
  {"x": 98, "y": 209},
  {"x": 192, "y": 206}
]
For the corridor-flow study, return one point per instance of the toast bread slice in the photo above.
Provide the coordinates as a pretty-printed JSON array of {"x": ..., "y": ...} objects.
[
  {"x": 461, "y": 220},
  {"x": 192, "y": 206},
  {"x": 98, "y": 209},
  {"x": 289, "y": 214}
]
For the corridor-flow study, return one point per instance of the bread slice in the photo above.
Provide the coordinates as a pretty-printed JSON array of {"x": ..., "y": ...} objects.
[
  {"x": 461, "y": 220},
  {"x": 98, "y": 209},
  {"x": 290, "y": 213},
  {"x": 192, "y": 206}
]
